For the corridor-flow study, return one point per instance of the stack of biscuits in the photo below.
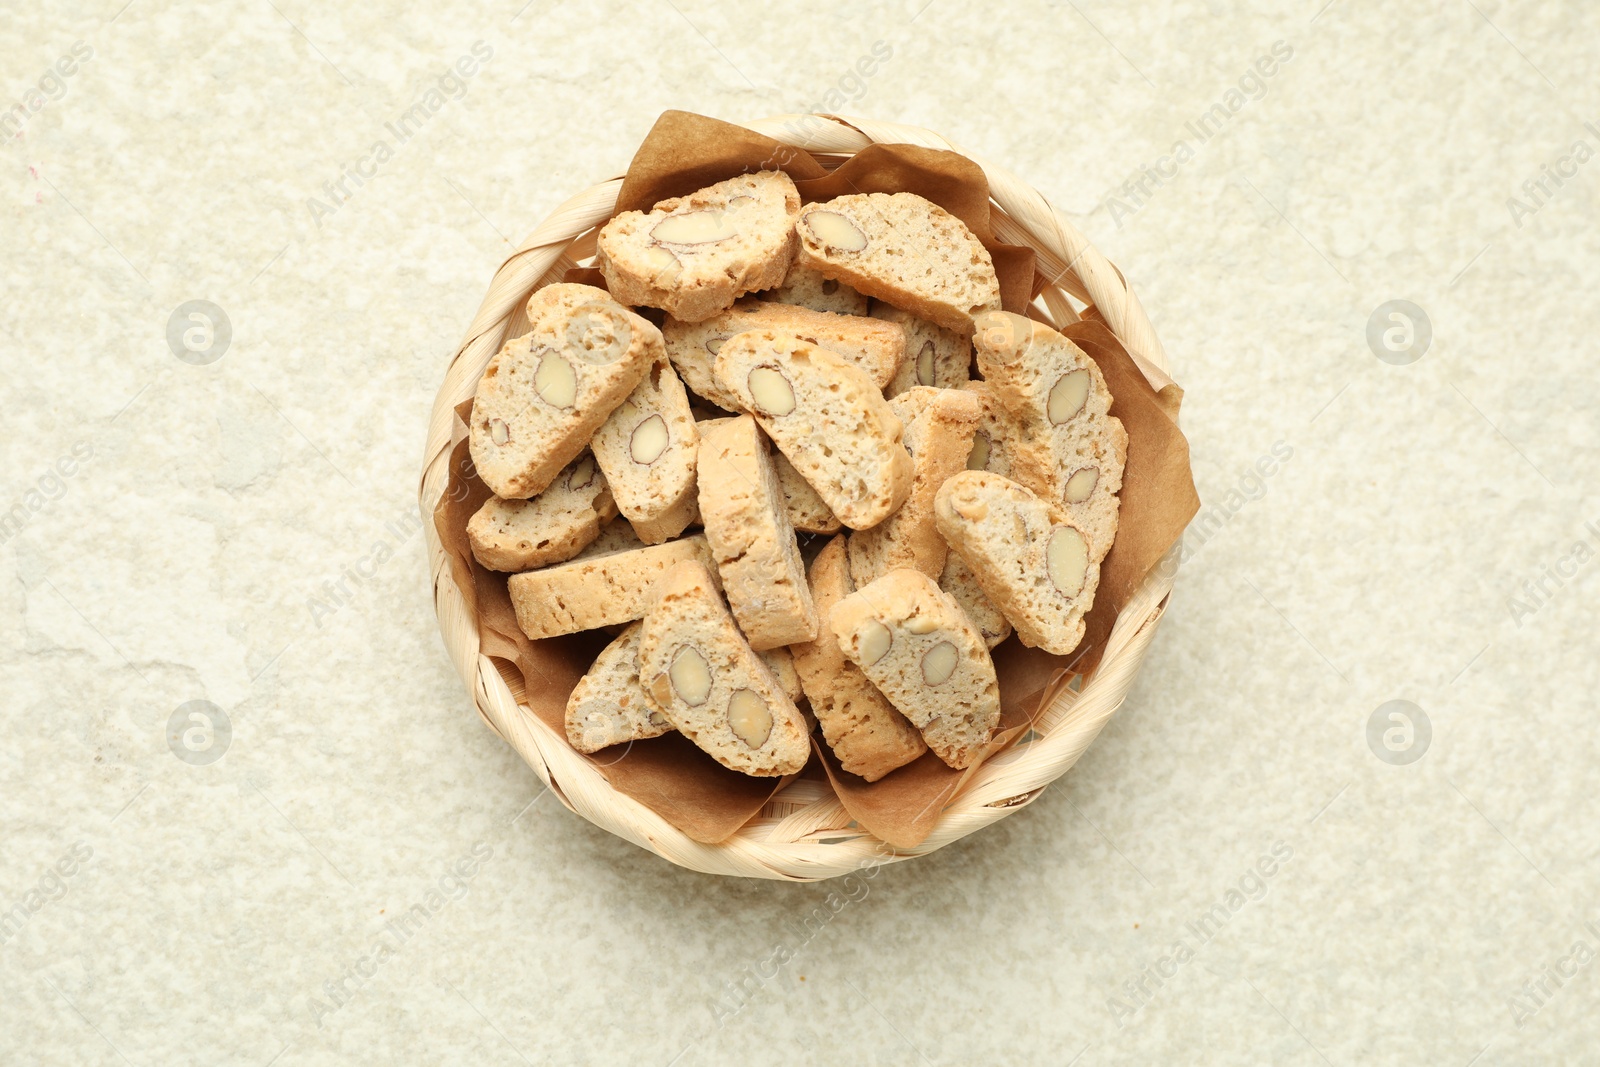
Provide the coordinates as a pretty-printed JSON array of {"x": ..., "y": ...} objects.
[{"x": 814, "y": 373}]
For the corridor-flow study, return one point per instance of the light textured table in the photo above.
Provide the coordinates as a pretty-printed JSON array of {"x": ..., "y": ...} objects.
[{"x": 244, "y": 532}]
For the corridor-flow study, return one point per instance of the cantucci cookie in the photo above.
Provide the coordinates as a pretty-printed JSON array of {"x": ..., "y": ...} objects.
[
  {"x": 692, "y": 256},
  {"x": 922, "y": 652},
  {"x": 707, "y": 682},
  {"x": 958, "y": 580},
  {"x": 609, "y": 706},
  {"x": 991, "y": 440},
  {"x": 875, "y": 346},
  {"x": 614, "y": 536},
  {"x": 517, "y": 535},
  {"x": 809, "y": 288},
  {"x": 543, "y": 396},
  {"x": 938, "y": 434},
  {"x": 748, "y": 529},
  {"x": 781, "y": 663},
  {"x": 934, "y": 355},
  {"x": 806, "y": 509},
  {"x": 1068, "y": 448},
  {"x": 594, "y": 591},
  {"x": 866, "y": 733},
  {"x": 1030, "y": 560},
  {"x": 647, "y": 449},
  {"x": 903, "y": 250},
  {"x": 827, "y": 416}
]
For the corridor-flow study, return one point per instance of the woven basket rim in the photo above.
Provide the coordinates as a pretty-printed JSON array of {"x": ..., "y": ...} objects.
[{"x": 800, "y": 835}]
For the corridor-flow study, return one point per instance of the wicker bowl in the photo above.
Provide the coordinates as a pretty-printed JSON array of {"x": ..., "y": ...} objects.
[{"x": 803, "y": 833}]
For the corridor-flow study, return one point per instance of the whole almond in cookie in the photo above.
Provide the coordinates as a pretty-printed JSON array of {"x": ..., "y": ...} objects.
[
  {"x": 996, "y": 429},
  {"x": 934, "y": 355}
]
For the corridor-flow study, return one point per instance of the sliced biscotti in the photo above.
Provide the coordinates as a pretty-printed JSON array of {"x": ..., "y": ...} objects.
[
  {"x": 692, "y": 256},
  {"x": 991, "y": 440},
  {"x": 938, "y": 434},
  {"x": 609, "y": 706},
  {"x": 807, "y": 511},
  {"x": 934, "y": 355},
  {"x": 903, "y": 250},
  {"x": 600, "y": 590},
  {"x": 647, "y": 449},
  {"x": 1030, "y": 560},
  {"x": 827, "y": 416},
  {"x": 958, "y": 580},
  {"x": 866, "y": 733},
  {"x": 922, "y": 652},
  {"x": 809, "y": 288},
  {"x": 614, "y": 536},
  {"x": 543, "y": 396},
  {"x": 708, "y": 683},
  {"x": 875, "y": 346},
  {"x": 747, "y": 526},
  {"x": 517, "y": 535},
  {"x": 1068, "y": 448}
]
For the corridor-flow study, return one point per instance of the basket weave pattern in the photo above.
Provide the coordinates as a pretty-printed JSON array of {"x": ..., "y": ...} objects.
[{"x": 803, "y": 833}]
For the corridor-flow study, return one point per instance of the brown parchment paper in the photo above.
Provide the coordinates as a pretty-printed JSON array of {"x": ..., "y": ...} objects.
[{"x": 684, "y": 152}]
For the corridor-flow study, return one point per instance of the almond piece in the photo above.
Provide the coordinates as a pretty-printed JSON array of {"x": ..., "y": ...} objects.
[
  {"x": 649, "y": 440},
  {"x": 925, "y": 364},
  {"x": 664, "y": 264},
  {"x": 749, "y": 717},
  {"x": 1081, "y": 485},
  {"x": 555, "y": 380},
  {"x": 978, "y": 458},
  {"x": 973, "y": 510},
  {"x": 499, "y": 432},
  {"x": 694, "y": 228},
  {"x": 1067, "y": 560},
  {"x": 771, "y": 391},
  {"x": 834, "y": 230},
  {"x": 582, "y": 475},
  {"x": 1067, "y": 396},
  {"x": 873, "y": 642},
  {"x": 690, "y": 675},
  {"x": 939, "y": 663}
]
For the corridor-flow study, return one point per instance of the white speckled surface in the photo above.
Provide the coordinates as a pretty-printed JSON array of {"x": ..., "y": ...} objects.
[{"x": 219, "y": 905}]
